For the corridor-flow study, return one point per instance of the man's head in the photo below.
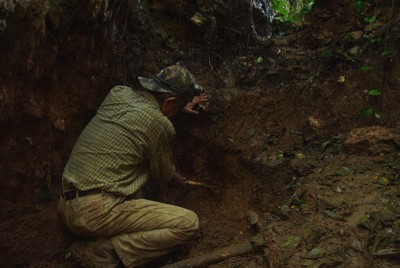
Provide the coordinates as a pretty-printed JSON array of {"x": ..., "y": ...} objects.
[{"x": 176, "y": 86}]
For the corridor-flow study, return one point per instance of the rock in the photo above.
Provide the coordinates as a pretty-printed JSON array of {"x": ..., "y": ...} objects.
[
  {"x": 59, "y": 124},
  {"x": 375, "y": 140},
  {"x": 357, "y": 35},
  {"x": 314, "y": 122},
  {"x": 355, "y": 51},
  {"x": 315, "y": 253},
  {"x": 376, "y": 26},
  {"x": 3, "y": 25},
  {"x": 198, "y": 19}
]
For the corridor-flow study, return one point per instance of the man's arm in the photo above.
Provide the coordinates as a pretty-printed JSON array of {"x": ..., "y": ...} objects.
[{"x": 161, "y": 163}]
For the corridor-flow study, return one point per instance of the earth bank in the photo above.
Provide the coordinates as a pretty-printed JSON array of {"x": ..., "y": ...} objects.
[{"x": 282, "y": 137}]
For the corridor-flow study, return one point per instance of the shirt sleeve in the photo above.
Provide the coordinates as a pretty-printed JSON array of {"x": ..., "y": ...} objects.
[{"x": 161, "y": 163}]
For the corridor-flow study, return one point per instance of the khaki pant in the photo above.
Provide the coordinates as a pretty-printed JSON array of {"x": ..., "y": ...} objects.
[{"x": 140, "y": 230}]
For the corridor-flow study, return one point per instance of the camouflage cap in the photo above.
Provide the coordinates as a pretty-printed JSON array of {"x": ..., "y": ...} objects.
[{"x": 176, "y": 80}]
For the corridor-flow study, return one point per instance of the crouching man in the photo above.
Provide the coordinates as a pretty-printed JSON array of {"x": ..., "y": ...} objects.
[{"x": 125, "y": 145}]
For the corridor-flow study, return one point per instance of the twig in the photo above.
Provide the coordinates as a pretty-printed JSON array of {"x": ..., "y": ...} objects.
[{"x": 218, "y": 255}]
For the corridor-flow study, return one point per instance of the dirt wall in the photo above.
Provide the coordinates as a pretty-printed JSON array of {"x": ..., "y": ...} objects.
[{"x": 60, "y": 58}]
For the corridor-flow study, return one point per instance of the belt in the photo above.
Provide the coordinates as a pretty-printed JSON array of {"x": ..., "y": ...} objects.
[{"x": 72, "y": 194}]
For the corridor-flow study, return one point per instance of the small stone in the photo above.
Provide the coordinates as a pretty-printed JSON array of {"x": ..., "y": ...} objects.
[
  {"x": 59, "y": 124},
  {"x": 357, "y": 35},
  {"x": 315, "y": 253}
]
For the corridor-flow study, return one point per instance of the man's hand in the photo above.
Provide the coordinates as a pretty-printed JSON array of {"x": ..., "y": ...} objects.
[{"x": 197, "y": 100}]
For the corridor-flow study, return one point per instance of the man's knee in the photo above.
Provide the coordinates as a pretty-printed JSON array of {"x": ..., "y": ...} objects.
[{"x": 191, "y": 226}]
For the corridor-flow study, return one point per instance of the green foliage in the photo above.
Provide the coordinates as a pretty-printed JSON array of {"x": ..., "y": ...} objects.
[
  {"x": 367, "y": 14},
  {"x": 291, "y": 242},
  {"x": 360, "y": 5},
  {"x": 374, "y": 92},
  {"x": 344, "y": 171},
  {"x": 291, "y": 11},
  {"x": 350, "y": 38},
  {"x": 327, "y": 54},
  {"x": 367, "y": 110},
  {"x": 370, "y": 19},
  {"x": 384, "y": 181},
  {"x": 375, "y": 40},
  {"x": 386, "y": 53},
  {"x": 250, "y": 132},
  {"x": 281, "y": 7}
]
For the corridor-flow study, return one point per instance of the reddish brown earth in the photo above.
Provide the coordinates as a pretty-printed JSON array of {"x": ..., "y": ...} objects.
[{"x": 282, "y": 139}]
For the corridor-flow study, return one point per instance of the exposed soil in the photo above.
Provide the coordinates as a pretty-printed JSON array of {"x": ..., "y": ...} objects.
[{"x": 282, "y": 138}]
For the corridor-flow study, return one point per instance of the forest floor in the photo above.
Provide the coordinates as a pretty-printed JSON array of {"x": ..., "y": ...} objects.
[{"x": 284, "y": 141}]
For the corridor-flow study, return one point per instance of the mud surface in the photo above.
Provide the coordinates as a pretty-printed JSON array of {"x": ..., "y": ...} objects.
[{"x": 282, "y": 138}]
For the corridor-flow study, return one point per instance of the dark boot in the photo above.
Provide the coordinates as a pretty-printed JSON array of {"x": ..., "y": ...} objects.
[{"x": 94, "y": 253}]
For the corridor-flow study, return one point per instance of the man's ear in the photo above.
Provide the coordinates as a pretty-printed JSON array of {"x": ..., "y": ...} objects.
[
  {"x": 168, "y": 106},
  {"x": 169, "y": 102}
]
